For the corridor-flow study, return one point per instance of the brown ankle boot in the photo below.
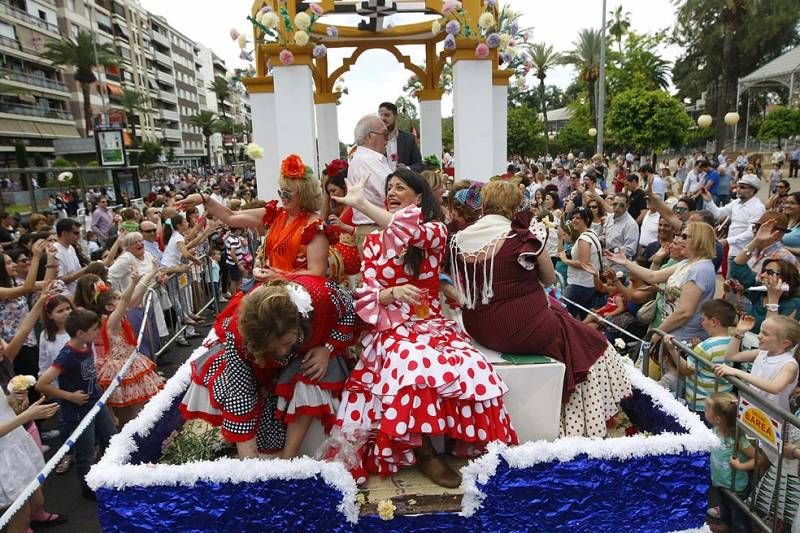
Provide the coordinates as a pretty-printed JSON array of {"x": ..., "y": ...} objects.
[{"x": 438, "y": 471}]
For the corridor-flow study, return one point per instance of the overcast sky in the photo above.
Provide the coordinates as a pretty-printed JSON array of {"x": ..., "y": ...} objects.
[{"x": 377, "y": 76}]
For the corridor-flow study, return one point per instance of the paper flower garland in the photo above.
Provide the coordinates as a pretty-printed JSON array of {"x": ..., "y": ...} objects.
[
  {"x": 254, "y": 151},
  {"x": 301, "y": 38},
  {"x": 386, "y": 509}
]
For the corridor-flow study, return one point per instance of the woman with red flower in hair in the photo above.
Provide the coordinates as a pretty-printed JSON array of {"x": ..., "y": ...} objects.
[
  {"x": 344, "y": 257},
  {"x": 297, "y": 239}
]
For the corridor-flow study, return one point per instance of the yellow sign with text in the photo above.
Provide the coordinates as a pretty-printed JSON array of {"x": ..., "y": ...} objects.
[{"x": 763, "y": 426}]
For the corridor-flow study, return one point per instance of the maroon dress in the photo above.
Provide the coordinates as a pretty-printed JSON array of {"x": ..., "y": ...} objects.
[{"x": 520, "y": 318}]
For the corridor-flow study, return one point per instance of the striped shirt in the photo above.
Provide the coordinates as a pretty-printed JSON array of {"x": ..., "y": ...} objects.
[{"x": 704, "y": 383}]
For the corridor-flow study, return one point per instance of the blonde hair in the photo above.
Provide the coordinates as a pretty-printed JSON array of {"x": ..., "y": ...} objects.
[
  {"x": 702, "y": 240},
  {"x": 433, "y": 178},
  {"x": 266, "y": 314},
  {"x": 787, "y": 329},
  {"x": 725, "y": 405},
  {"x": 309, "y": 191},
  {"x": 501, "y": 198}
]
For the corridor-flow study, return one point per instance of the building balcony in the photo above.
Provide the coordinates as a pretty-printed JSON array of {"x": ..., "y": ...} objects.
[
  {"x": 164, "y": 59},
  {"x": 8, "y": 42},
  {"x": 34, "y": 111},
  {"x": 168, "y": 97},
  {"x": 167, "y": 114},
  {"x": 165, "y": 77},
  {"x": 12, "y": 12},
  {"x": 171, "y": 134},
  {"x": 160, "y": 38},
  {"x": 30, "y": 79}
]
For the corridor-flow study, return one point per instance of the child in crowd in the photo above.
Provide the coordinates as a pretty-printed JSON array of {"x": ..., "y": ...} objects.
[
  {"x": 716, "y": 317},
  {"x": 615, "y": 304},
  {"x": 215, "y": 255},
  {"x": 729, "y": 462},
  {"x": 78, "y": 391},
  {"x": 140, "y": 382},
  {"x": 52, "y": 339},
  {"x": 775, "y": 370}
]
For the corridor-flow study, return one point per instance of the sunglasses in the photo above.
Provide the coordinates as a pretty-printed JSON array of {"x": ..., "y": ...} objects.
[
  {"x": 283, "y": 194},
  {"x": 770, "y": 272},
  {"x": 680, "y": 209},
  {"x": 594, "y": 206},
  {"x": 757, "y": 225}
]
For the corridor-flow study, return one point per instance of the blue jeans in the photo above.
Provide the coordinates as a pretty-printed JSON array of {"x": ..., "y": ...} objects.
[
  {"x": 98, "y": 432},
  {"x": 580, "y": 295}
]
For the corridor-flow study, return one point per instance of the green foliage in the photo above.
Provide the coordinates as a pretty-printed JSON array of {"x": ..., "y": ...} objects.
[
  {"x": 407, "y": 116},
  {"x": 585, "y": 57},
  {"x": 222, "y": 90},
  {"x": 647, "y": 120},
  {"x": 618, "y": 25},
  {"x": 171, "y": 154},
  {"x": 151, "y": 153},
  {"x": 92, "y": 163},
  {"x": 448, "y": 137},
  {"x": 524, "y": 131},
  {"x": 60, "y": 162},
  {"x": 780, "y": 123},
  {"x": 207, "y": 122},
  {"x": 134, "y": 102},
  {"x": 574, "y": 137},
  {"x": 21, "y": 155},
  {"x": 554, "y": 97},
  {"x": 639, "y": 66},
  {"x": 195, "y": 441}
]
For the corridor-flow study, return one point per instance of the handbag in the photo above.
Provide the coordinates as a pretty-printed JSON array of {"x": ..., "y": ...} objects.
[{"x": 647, "y": 312}]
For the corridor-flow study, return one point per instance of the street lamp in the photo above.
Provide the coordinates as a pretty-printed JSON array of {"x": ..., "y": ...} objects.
[
  {"x": 704, "y": 121},
  {"x": 592, "y": 132},
  {"x": 732, "y": 119}
]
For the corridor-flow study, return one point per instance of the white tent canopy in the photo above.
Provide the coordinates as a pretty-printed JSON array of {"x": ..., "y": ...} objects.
[{"x": 783, "y": 70}]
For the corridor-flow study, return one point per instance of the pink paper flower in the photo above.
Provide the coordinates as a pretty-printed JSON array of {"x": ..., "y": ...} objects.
[
  {"x": 450, "y": 6},
  {"x": 482, "y": 50},
  {"x": 234, "y": 34},
  {"x": 316, "y": 9},
  {"x": 286, "y": 57}
]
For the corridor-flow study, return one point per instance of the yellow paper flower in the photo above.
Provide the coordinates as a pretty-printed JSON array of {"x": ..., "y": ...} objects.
[
  {"x": 361, "y": 499},
  {"x": 270, "y": 20},
  {"x": 21, "y": 383},
  {"x": 436, "y": 27},
  {"x": 243, "y": 41},
  {"x": 504, "y": 40},
  {"x": 302, "y": 21},
  {"x": 301, "y": 38},
  {"x": 254, "y": 151},
  {"x": 486, "y": 21},
  {"x": 386, "y": 509}
]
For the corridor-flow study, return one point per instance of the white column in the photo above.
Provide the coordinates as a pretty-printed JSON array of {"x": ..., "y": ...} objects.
[
  {"x": 430, "y": 125},
  {"x": 472, "y": 119},
  {"x": 265, "y": 135},
  {"x": 327, "y": 133},
  {"x": 294, "y": 113},
  {"x": 500, "y": 112}
]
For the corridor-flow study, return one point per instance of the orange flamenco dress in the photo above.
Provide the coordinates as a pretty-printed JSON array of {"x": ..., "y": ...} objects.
[{"x": 287, "y": 240}]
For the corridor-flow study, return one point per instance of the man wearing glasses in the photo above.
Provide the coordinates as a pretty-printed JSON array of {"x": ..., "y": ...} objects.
[
  {"x": 775, "y": 202},
  {"x": 742, "y": 212},
  {"x": 766, "y": 245},
  {"x": 149, "y": 232},
  {"x": 68, "y": 232},
  {"x": 369, "y": 160},
  {"x": 621, "y": 230}
]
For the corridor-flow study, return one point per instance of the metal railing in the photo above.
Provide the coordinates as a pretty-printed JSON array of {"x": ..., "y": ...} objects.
[
  {"x": 9, "y": 42},
  {"x": 34, "y": 111},
  {"x": 31, "y": 79},
  {"x": 8, "y": 9}
]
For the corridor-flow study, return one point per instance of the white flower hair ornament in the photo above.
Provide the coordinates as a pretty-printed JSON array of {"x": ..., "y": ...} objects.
[{"x": 300, "y": 298}]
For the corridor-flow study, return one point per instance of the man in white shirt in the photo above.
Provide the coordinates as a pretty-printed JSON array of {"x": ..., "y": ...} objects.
[
  {"x": 68, "y": 232},
  {"x": 368, "y": 160},
  {"x": 648, "y": 173},
  {"x": 743, "y": 213},
  {"x": 694, "y": 179}
]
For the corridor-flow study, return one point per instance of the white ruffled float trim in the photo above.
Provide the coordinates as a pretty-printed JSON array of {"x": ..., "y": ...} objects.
[
  {"x": 698, "y": 439},
  {"x": 113, "y": 472}
]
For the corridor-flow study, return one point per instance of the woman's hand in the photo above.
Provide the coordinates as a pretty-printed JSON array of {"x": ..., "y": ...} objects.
[
  {"x": 315, "y": 363},
  {"x": 333, "y": 220},
  {"x": 736, "y": 464},
  {"x": 618, "y": 258},
  {"x": 407, "y": 293},
  {"x": 39, "y": 247},
  {"x": 189, "y": 202},
  {"x": 724, "y": 370},
  {"x": 39, "y": 410},
  {"x": 265, "y": 274},
  {"x": 745, "y": 324},
  {"x": 774, "y": 285},
  {"x": 451, "y": 295},
  {"x": 355, "y": 192}
]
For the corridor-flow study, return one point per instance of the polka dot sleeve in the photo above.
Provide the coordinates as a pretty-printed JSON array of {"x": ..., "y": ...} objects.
[
  {"x": 343, "y": 331},
  {"x": 407, "y": 229},
  {"x": 368, "y": 305}
]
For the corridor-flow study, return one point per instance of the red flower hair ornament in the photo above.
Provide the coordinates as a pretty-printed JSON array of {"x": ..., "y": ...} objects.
[
  {"x": 292, "y": 167},
  {"x": 335, "y": 167}
]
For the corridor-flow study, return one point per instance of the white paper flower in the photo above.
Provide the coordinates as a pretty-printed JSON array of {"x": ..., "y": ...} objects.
[
  {"x": 486, "y": 21},
  {"x": 386, "y": 509},
  {"x": 64, "y": 176},
  {"x": 301, "y": 38},
  {"x": 254, "y": 151},
  {"x": 300, "y": 298},
  {"x": 436, "y": 27},
  {"x": 619, "y": 343},
  {"x": 270, "y": 20},
  {"x": 242, "y": 41},
  {"x": 302, "y": 21},
  {"x": 21, "y": 383},
  {"x": 504, "y": 40}
]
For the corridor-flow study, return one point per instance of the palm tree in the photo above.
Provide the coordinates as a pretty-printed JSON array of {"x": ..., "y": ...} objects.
[
  {"x": 82, "y": 55},
  {"x": 225, "y": 126},
  {"x": 618, "y": 25},
  {"x": 543, "y": 58},
  {"x": 134, "y": 102},
  {"x": 586, "y": 58},
  {"x": 222, "y": 89},
  {"x": 207, "y": 122},
  {"x": 733, "y": 16}
]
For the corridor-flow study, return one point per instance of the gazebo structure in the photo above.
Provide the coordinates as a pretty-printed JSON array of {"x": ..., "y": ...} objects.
[
  {"x": 781, "y": 71},
  {"x": 293, "y": 92}
]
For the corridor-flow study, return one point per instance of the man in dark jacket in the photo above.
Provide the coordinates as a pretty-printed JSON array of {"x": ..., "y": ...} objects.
[{"x": 402, "y": 149}]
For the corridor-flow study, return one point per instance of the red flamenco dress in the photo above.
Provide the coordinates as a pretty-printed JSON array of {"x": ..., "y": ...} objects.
[
  {"x": 140, "y": 382},
  {"x": 344, "y": 258},
  {"x": 415, "y": 377},
  {"x": 247, "y": 400}
]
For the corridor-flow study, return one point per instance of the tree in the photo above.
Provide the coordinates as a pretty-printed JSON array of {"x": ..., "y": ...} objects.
[
  {"x": 82, "y": 55},
  {"x": 780, "y": 123},
  {"x": 647, "y": 120},
  {"x": 640, "y": 66},
  {"x": 134, "y": 102},
  {"x": 585, "y": 56},
  {"x": 407, "y": 116},
  {"x": 618, "y": 25},
  {"x": 151, "y": 153},
  {"x": 723, "y": 40},
  {"x": 448, "y": 135},
  {"x": 524, "y": 131},
  {"x": 207, "y": 122},
  {"x": 574, "y": 136},
  {"x": 543, "y": 58},
  {"x": 222, "y": 90}
]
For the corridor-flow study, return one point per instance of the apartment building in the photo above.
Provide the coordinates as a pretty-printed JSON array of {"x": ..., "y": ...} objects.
[
  {"x": 211, "y": 66},
  {"x": 34, "y": 98}
]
